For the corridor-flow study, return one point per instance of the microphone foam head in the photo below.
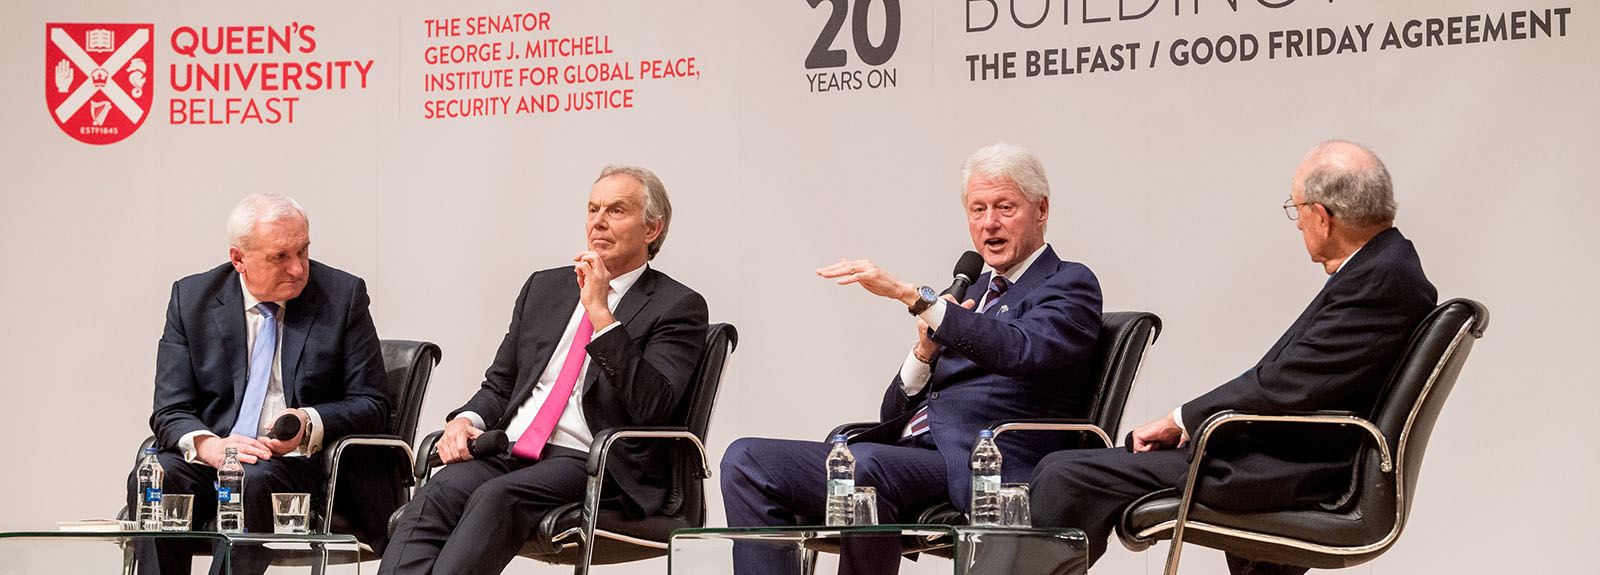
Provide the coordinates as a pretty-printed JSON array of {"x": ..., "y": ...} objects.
[{"x": 969, "y": 265}]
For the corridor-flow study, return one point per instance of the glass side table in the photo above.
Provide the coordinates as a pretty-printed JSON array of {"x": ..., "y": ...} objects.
[
  {"x": 977, "y": 550},
  {"x": 27, "y": 552}
]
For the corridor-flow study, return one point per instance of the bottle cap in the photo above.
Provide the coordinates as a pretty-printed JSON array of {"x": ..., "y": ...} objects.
[
  {"x": 150, "y": 450},
  {"x": 230, "y": 451},
  {"x": 841, "y": 438},
  {"x": 985, "y": 433}
]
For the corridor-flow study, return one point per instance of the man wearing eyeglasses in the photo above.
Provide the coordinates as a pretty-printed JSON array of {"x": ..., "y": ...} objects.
[{"x": 1336, "y": 355}]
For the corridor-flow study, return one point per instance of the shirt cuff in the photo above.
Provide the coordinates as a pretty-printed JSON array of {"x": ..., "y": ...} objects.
[
  {"x": 914, "y": 374},
  {"x": 597, "y": 334},
  {"x": 477, "y": 420},
  {"x": 1177, "y": 417},
  {"x": 934, "y": 315},
  {"x": 186, "y": 445},
  {"x": 312, "y": 443}
]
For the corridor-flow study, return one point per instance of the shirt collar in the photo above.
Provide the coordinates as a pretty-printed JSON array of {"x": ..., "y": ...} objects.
[
  {"x": 1347, "y": 260},
  {"x": 250, "y": 300},
  {"x": 620, "y": 284},
  {"x": 1017, "y": 271}
]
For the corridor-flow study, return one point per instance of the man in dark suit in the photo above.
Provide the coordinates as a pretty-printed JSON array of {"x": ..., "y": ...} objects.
[
  {"x": 267, "y": 334},
  {"x": 630, "y": 335},
  {"x": 1009, "y": 354},
  {"x": 1336, "y": 355}
]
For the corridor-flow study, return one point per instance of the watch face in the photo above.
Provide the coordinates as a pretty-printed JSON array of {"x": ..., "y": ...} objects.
[{"x": 928, "y": 294}]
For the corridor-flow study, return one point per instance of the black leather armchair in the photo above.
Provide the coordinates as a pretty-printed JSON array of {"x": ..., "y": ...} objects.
[
  {"x": 1367, "y": 520},
  {"x": 1125, "y": 336},
  {"x": 610, "y": 535}
]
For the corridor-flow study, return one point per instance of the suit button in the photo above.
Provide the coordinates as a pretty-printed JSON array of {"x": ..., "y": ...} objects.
[{"x": 933, "y": 395}]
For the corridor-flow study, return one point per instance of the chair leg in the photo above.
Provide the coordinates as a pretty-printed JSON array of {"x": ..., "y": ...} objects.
[
  {"x": 808, "y": 561},
  {"x": 130, "y": 560}
]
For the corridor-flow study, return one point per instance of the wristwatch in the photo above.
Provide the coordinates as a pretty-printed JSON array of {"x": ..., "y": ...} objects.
[{"x": 926, "y": 297}]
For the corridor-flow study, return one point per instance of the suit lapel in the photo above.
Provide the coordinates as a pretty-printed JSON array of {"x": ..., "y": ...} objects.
[
  {"x": 299, "y": 315},
  {"x": 1037, "y": 274},
  {"x": 228, "y": 317}
]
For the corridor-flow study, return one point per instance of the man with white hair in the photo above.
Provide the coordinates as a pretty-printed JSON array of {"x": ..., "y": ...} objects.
[
  {"x": 1015, "y": 352},
  {"x": 267, "y": 334},
  {"x": 1335, "y": 356}
]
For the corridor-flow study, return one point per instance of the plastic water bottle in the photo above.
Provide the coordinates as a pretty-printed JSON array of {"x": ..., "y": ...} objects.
[
  {"x": 230, "y": 493},
  {"x": 151, "y": 476},
  {"x": 985, "y": 480},
  {"x": 841, "y": 481}
]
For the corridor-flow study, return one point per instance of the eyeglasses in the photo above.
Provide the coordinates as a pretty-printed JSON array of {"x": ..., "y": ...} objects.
[{"x": 1292, "y": 210}]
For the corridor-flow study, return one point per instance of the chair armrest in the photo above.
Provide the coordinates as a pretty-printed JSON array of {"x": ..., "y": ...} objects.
[
  {"x": 333, "y": 454},
  {"x": 600, "y": 447},
  {"x": 1053, "y": 424},
  {"x": 427, "y": 447},
  {"x": 1230, "y": 417},
  {"x": 849, "y": 429}
]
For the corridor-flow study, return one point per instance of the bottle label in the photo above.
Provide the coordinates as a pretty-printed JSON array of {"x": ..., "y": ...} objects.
[
  {"x": 224, "y": 495},
  {"x": 152, "y": 495},
  {"x": 841, "y": 487},
  {"x": 985, "y": 483}
]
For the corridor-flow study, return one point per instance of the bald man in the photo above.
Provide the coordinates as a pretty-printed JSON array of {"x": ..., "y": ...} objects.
[{"x": 1336, "y": 355}]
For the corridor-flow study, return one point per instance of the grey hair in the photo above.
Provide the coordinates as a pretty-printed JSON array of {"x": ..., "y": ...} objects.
[
  {"x": 256, "y": 208},
  {"x": 1355, "y": 188},
  {"x": 657, "y": 207},
  {"x": 1006, "y": 161}
]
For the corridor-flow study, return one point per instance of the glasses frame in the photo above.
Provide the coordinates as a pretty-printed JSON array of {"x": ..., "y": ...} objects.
[{"x": 1291, "y": 209}]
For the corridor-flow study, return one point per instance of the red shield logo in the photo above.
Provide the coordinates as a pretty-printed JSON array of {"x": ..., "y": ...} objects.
[{"x": 98, "y": 78}]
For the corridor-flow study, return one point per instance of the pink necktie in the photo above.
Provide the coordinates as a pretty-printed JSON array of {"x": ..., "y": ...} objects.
[{"x": 533, "y": 439}]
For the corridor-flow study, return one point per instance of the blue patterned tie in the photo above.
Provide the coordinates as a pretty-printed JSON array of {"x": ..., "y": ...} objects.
[
  {"x": 997, "y": 288},
  {"x": 255, "y": 392}
]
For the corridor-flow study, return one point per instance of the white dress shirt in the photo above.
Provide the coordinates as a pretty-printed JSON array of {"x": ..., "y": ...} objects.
[
  {"x": 572, "y": 430},
  {"x": 274, "y": 402}
]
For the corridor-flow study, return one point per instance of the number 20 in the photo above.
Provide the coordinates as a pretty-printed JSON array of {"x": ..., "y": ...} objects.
[{"x": 822, "y": 57}]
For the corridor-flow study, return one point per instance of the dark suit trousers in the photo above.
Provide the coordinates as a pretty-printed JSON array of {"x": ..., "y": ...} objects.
[
  {"x": 775, "y": 482},
  {"x": 1089, "y": 488},
  {"x": 473, "y": 516},
  {"x": 261, "y": 480}
]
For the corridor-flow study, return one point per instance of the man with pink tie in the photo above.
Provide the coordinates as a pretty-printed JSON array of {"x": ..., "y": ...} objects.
[{"x": 607, "y": 342}]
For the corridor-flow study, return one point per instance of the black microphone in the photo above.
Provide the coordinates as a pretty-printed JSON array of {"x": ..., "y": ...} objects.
[
  {"x": 285, "y": 428},
  {"x": 967, "y": 269},
  {"x": 486, "y": 444}
]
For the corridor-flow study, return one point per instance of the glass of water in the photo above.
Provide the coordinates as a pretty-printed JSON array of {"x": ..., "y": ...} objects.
[
  {"x": 864, "y": 506},
  {"x": 175, "y": 510},
  {"x": 291, "y": 512},
  {"x": 1014, "y": 510}
]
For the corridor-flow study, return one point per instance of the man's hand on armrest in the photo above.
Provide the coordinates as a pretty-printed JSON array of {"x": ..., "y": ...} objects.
[
  {"x": 1163, "y": 433},
  {"x": 452, "y": 445}
]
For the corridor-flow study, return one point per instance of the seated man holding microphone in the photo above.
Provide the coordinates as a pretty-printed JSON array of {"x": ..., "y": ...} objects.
[
  {"x": 1006, "y": 355},
  {"x": 271, "y": 336}
]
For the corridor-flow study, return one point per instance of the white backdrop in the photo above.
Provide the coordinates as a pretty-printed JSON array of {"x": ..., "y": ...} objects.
[{"x": 1167, "y": 181}]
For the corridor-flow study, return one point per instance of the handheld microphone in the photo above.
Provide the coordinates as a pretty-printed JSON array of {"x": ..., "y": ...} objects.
[
  {"x": 285, "y": 428},
  {"x": 486, "y": 444},
  {"x": 967, "y": 269}
]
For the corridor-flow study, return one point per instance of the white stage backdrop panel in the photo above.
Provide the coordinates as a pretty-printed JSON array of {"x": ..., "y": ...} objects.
[{"x": 444, "y": 152}]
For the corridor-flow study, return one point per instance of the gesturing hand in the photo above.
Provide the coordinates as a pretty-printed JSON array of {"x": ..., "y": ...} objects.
[{"x": 875, "y": 279}]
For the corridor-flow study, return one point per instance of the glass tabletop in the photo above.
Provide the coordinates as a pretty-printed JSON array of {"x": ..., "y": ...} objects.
[
  {"x": 23, "y": 552},
  {"x": 796, "y": 549}
]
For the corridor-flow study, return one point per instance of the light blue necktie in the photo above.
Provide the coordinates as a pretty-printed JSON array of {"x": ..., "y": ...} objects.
[{"x": 255, "y": 392}]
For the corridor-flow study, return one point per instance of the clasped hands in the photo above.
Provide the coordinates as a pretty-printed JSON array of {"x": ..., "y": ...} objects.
[
  {"x": 594, "y": 286},
  {"x": 210, "y": 449}
]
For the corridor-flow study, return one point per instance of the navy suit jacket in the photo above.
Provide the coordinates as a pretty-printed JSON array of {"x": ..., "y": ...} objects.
[
  {"x": 330, "y": 356},
  {"x": 638, "y": 371},
  {"x": 1003, "y": 365},
  {"x": 1336, "y": 356}
]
